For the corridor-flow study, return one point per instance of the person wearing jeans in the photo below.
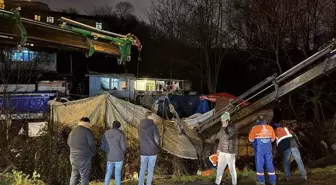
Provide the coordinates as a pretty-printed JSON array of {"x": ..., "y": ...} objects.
[
  {"x": 226, "y": 149},
  {"x": 149, "y": 147},
  {"x": 150, "y": 162},
  {"x": 82, "y": 149},
  {"x": 117, "y": 173},
  {"x": 297, "y": 156},
  {"x": 114, "y": 145},
  {"x": 80, "y": 171},
  {"x": 288, "y": 144}
]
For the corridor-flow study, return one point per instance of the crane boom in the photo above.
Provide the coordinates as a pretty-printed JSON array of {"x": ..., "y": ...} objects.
[
  {"x": 328, "y": 53},
  {"x": 74, "y": 35}
]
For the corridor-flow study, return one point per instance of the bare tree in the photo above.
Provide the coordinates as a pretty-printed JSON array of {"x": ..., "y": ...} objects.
[
  {"x": 199, "y": 24},
  {"x": 311, "y": 25},
  {"x": 124, "y": 9},
  {"x": 103, "y": 11},
  {"x": 330, "y": 20},
  {"x": 270, "y": 29},
  {"x": 70, "y": 10},
  {"x": 15, "y": 76},
  {"x": 263, "y": 28}
]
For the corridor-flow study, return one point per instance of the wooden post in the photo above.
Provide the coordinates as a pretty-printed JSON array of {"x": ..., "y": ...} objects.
[{"x": 163, "y": 120}]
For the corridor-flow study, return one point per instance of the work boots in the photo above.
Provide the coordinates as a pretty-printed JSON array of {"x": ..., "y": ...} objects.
[{"x": 303, "y": 181}]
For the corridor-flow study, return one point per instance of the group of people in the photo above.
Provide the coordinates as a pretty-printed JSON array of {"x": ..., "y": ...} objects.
[
  {"x": 83, "y": 148},
  {"x": 261, "y": 136}
]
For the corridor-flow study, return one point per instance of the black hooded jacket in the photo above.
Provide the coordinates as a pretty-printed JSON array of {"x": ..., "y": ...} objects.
[{"x": 149, "y": 138}]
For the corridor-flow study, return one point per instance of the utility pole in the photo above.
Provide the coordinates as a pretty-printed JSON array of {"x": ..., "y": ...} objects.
[
  {"x": 71, "y": 64},
  {"x": 171, "y": 69}
]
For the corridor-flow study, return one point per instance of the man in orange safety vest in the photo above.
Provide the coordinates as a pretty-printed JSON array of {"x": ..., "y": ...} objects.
[{"x": 288, "y": 145}]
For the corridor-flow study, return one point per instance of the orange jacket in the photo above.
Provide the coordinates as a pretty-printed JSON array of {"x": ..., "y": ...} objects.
[
  {"x": 262, "y": 136},
  {"x": 261, "y": 132},
  {"x": 282, "y": 133}
]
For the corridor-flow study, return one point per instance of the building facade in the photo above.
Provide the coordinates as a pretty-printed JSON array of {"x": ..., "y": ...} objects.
[{"x": 127, "y": 86}]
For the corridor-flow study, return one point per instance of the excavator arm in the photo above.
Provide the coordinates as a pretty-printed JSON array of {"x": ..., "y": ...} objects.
[{"x": 70, "y": 34}]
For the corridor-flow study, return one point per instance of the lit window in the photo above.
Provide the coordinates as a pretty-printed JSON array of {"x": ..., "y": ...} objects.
[
  {"x": 105, "y": 83},
  {"x": 50, "y": 19},
  {"x": 37, "y": 18},
  {"x": 2, "y": 4},
  {"x": 99, "y": 25},
  {"x": 29, "y": 56},
  {"x": 114, "y": 84}
]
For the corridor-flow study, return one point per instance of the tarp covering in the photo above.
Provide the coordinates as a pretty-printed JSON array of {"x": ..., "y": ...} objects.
[
  {"x": 185, "y": 106},
  {"x": 194, "y": 120},
  {"x": 178, "y": 138},
  {"x": 104, "y": 109},
  {"x": 203, "y": 107},
  {"x": 229, "y": 97}
]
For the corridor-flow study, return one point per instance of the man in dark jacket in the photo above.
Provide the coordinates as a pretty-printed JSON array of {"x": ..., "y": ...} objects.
[
  {"x": 82, "y": 149},
  {"x": 149, "y": 147},
  {"x": 288, "y": 145},
  {"x": 226, "y": 149},
  {"x": 114, "y": 145}
]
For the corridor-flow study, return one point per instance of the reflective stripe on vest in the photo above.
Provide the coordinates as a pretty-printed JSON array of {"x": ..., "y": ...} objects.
[{"x": 282, "y": 133}]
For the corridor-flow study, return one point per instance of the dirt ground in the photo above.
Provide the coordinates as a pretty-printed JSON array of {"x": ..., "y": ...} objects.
[
  {"x": 318, "y": 176},
  {"x": 317, "y": 179},
  {"x": 330, "y": 181}
]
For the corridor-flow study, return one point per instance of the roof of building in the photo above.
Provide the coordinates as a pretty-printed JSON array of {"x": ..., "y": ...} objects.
[
  {"x": 129, "y": 76},
  {"x": 28, "y": 4},
  {"x": 112, "y": 75}
]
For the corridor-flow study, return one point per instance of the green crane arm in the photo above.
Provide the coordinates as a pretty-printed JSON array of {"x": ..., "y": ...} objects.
[
  {"x": 17, "y": 17},
  {"x": 123, "y": 43}
]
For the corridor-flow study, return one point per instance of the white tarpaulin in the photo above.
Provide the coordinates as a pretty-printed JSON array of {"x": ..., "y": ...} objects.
[
  {"x": 195, "y": 121},
  {"x": 178, "y": 138}
]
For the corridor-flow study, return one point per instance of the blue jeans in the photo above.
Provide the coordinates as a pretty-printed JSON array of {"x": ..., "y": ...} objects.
[
  {"x": 80, "y": 170},
  {"x": 150, "y": 161},
  {"x": 117, "y": 173},
  {"x": 296, "y": 154}
]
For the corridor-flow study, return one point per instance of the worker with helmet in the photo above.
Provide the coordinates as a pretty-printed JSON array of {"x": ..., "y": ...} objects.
[
  {"x": 262, "y": 136},
  {"x": 288, "y": 144}
]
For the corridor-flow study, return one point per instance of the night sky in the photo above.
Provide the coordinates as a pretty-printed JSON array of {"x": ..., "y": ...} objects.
[{"x": 141, "y": 6}]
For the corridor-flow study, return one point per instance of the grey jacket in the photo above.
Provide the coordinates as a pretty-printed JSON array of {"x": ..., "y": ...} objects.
[
  {"x": 81, "y": 143},
  {"x": 114, "y": 145},
  {"x": 149, "y": 138},
  {"x": 227, "y": 139}
]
